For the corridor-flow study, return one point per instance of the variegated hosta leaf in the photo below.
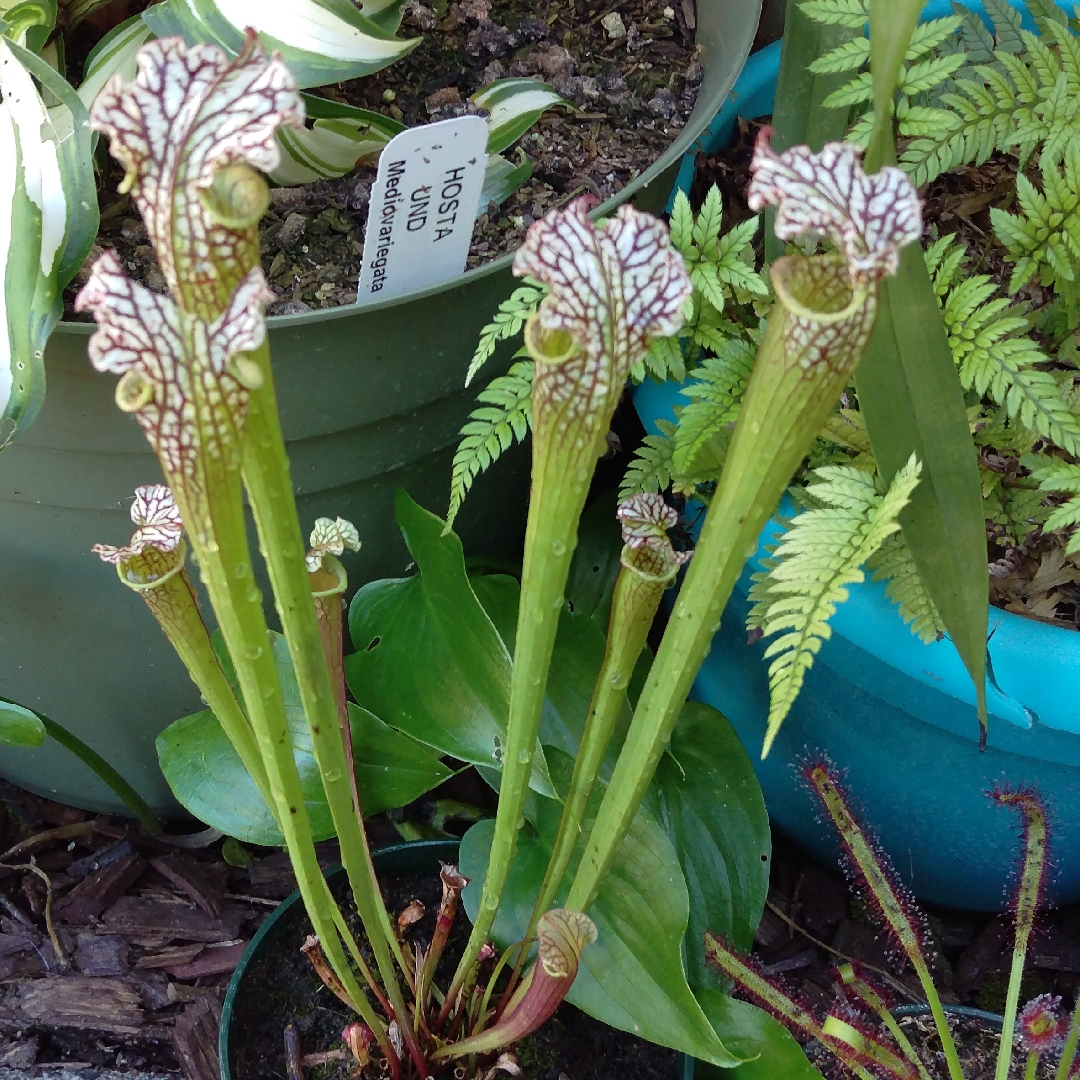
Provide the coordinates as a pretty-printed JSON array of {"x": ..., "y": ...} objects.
[
  {"x": 115, "y": 54},
  {"x": 613, "y": 289},
  {"x": 514, "y": 106},
  {"x": 179, "y": 375},
  {"x": 326, "y": 151},
  {"x": 331, "y": 536},
  {"x": 28, "y": 22},
  {"x": 645, "y": 519},
  {"x": 867, "y": 218},
  {"x": 75, "y": 11},
  {"x": 155, "y": 547},
  {"x": 501, "y": 179},
  {"x": 189, "y": 113},
  {"x": 48, "y": 222},
  {"x": 322, "y": 41}
]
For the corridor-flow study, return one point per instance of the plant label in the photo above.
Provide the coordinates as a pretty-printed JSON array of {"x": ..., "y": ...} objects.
[{"x": 423, "y": 207}]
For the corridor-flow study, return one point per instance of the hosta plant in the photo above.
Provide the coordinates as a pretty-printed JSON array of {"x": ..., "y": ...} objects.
[
  {"x": 578, "y": 878},
  {"x": 46, "y": 165},
  {"x": 859, "y": 1030}
]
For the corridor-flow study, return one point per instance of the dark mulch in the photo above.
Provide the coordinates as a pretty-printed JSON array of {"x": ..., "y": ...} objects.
[{"x": 632, "y": 89}]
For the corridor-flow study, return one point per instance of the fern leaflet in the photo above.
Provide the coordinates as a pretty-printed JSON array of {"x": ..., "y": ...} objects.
[
  {"x": 512, "y": 315},
  {"x": 502, "y": 418},
  {"x": 818, "y": 557},
  {"x": 650, "y": 467},
  {"x": 1062, "y": 477},
  {"x": 893, "y": 563}
]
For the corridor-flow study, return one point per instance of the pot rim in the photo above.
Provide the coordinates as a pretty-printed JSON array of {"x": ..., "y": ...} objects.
[{"x": 682, "y": 150}]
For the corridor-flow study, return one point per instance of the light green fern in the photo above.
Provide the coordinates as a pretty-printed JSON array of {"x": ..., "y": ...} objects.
[
  {"x": 1018, "y": 102},
  {"x": 705, "y": 425},
  {"x": 991, "y": 347},
  {"x": 502, "y": 418},
  {"x": 818, "y": 557},
  {"x": 894, "y": 564},
  {"x": 509, "y": 320},
  {"x": 650, "y": 468},
  {"x": 1062, "y": 477},
  {"x": 1043, "y": 239}
]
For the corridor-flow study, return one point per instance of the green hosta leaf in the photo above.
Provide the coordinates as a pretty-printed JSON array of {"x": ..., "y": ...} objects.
[
  {"x": 502, "y": 179},
  {"x": 114, "y": 54},
  {"x": 48, "y": 224},
  {"x": 596, "y": 564},
  {"x": 709, "y": 802},
  {"x": 751, "y": 1033},
  {"x": 514, "y": 106},
  {"x": 19, "y": 726},
  {"x": 75, "y": 11},
  {"x": 632, "y": 977},
  {"x": 429, "y": 660},
  {"x": 322, "y": 41},
  {"x": 208, "y": 778}
]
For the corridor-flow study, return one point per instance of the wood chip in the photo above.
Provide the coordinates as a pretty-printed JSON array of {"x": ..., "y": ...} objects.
[
  {"x": 76, "y": 1001},
  {"x": 101, "y": 954},
  {"x": 184, "y": 872},
  {"x": 98, "y": 890},
  {"x": 214, "y": 960},
  {"x": 195, "y": 1038},
  {"x": 142, "y": 918},
  {"x": 182, "y": 954}
]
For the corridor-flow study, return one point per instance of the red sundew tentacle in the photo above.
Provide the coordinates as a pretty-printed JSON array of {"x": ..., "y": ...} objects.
[
  {"x": 868, "y": 866},
  {"x": 1029, "y": 891},
  {"x": 767, "y": 991}
]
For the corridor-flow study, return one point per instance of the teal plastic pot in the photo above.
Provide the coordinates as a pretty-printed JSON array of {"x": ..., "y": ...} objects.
[
  {"x": 412, "y": 858},
  {"x": 371, "y": 400},
  {"x": 898, "y": 717}
]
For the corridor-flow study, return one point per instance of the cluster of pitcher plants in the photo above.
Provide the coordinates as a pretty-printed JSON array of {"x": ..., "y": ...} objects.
[{"x": 576, "y": 902}]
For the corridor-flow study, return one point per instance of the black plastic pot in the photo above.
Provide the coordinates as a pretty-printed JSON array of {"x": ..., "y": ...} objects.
[
  {"x": 371, "y": 400},
  {"x": 400, "y": 859}
]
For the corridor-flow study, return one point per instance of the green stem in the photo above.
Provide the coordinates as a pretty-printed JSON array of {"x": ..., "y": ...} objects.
[
  {"x": 903, "y": 1042},
  {"x": 104, "y": 771},
  {"x": 948, "y": 1043},
  {"x": 783, "y": 410},
  {"x": 266, "y": 476},
  {"x": 633, "y": 609},
  {"x": 1012, "y": 1002},
  {"x": 565, "y": 451},
  {"x": 1032, "y": 1065},
  {"x": 219, "y": 537},
  {"x": 173, "y": 602},
  {"x": 1068, "y": 1051}
]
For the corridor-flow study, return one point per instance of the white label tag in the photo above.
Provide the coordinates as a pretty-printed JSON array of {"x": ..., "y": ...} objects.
[{"x": 423, "y": 207}]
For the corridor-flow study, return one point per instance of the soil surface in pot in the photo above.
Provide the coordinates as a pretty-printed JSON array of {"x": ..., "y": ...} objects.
[
  {"x": 280, "y": 987},
  {"x": 629, "y": 70},
  {"x": 1036, "y": 579}
]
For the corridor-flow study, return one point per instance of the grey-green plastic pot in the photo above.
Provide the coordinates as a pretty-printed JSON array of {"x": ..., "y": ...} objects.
[
  {"x": 415, "y": 858},
  {"x": 371, "y": 400}
]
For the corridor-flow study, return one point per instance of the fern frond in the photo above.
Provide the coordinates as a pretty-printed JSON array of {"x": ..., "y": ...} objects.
[
  {"x": 1006, "y": 20},
  {"x": 991, "y": 347},
  {"x": 650, "y": 468},
  {"x": 850, "y": 56},
  {"x": 1062, "y": 478},
  {"x": 715, "y": 394},
  {"x": 512, "y": 315},
  {"x": 501, "y": 419},
  {"x": 893, "y": 563},
  {"x": 818, "y": 557},
  {"x": 853, "y": 14},
  {"x": 1043, "y": 239}
]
